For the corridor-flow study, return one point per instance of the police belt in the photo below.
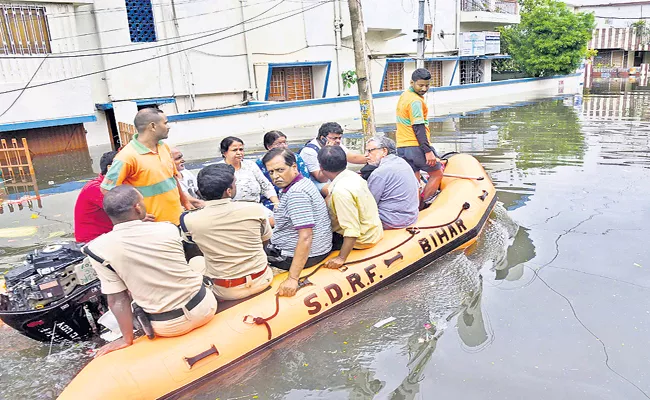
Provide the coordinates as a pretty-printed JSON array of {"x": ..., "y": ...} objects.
[
  {"x": 169, "y": 315},
  {"x": 228, "y": 283}
]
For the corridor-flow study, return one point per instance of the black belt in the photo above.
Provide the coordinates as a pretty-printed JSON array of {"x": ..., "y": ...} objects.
[{"x": 169, "y": 315}]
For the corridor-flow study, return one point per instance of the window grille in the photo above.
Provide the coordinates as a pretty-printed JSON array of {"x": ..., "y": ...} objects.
[
  {"x": 141, "y": 24},
  {"x": 394, "y": 77},
  {"x": 288, "y": 84},
  {"x": 435, "y": 69},
  {"x": 603, "y": 58},
  {"x": 471, "y": 71},
  {"x": 24, "y": 30}
]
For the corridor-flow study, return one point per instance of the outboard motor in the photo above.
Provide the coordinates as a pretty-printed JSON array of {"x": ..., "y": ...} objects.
[{"x": 55, "y": 292}]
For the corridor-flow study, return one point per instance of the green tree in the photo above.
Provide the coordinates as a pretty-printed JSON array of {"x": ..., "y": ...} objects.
[{"x": 550, "y": 39}]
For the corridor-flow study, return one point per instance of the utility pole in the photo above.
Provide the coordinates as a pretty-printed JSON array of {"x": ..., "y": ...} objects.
[
  {"x": 361, "y": 66},
  {"x": 421, "y": 38}
]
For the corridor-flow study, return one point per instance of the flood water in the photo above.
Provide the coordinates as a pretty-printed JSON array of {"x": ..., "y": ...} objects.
[{"x": 552, "y": 302}]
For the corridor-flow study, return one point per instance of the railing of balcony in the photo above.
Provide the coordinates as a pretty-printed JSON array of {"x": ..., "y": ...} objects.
[{"x": 502, "y": 7}]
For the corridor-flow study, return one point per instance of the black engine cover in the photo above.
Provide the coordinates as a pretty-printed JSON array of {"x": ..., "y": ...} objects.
[
  {"x": 19, "y": 273},
  {"x": 54, "y": 257}
]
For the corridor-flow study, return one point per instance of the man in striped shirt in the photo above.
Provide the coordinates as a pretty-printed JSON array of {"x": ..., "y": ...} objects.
[
  {"x": 302, "y": 232},
  {"x": 146, "y": 163}
]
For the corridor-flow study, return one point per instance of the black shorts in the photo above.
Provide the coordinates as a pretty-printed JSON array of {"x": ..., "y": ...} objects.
[{"x": 416, "y": 159}]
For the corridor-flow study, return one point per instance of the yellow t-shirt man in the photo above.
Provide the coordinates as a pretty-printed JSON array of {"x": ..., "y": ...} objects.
[
  {"x": 411, "y": 110},
  {"x": 412, "y": 113}
]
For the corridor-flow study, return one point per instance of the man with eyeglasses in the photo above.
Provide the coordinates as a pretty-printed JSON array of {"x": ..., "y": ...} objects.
[
  {"x": 392, "y": 184},
  {"x": 329, "y": 134}
]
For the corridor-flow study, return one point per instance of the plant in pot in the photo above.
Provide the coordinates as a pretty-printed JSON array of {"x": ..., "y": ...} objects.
[{"x": 349, "y": 79}]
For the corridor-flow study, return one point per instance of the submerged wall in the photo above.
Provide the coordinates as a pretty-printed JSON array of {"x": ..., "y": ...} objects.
[{"x": 294, "y": 116}]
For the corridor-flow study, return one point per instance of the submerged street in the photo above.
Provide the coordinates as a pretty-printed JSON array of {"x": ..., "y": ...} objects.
[{"x": 551, "y": 302}]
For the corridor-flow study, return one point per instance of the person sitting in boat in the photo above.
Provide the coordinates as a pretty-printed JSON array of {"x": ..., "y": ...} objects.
[
  {"x": 272, "y": 140},
  {"x": 146, "y": 259},
  {"x": 251, "y": 183},
  {"x": 329, "y": 134},
  {"x": 231, "y": 235},
  {"x": 392, "y": 184},
  {"x": 186, "y": 178},
  {"x": 353, "y": 210},
  {"x": 90, "y": 219},
  {"x": 302, "y": 236}
]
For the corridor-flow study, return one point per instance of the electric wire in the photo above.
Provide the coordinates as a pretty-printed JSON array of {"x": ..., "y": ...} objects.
[
  {"x": 76, "y": 53},
  {"x": 161, "y": 55},
  {"x": 23, "y": 89},
  {"x": 162, "y": 21}
]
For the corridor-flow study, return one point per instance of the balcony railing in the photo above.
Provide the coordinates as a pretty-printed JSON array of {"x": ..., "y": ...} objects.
[{"x": 502, "y": 7}]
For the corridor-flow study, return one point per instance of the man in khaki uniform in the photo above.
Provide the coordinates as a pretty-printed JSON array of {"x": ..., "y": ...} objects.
[
  {"x": 231, "y": 235},
  {"x": 147, "y": 260}
]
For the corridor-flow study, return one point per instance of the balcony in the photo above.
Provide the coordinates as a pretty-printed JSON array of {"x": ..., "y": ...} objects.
[{"x": 489, "y": 13}]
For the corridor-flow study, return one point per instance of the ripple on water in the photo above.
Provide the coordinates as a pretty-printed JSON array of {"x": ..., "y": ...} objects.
[
  {"x": 346, "y": 357},
  {"x": 27, "y": 372}
]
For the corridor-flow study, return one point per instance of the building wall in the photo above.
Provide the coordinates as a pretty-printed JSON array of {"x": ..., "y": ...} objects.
[
  {"x": 62, "y": 100},
  {"x": 252, "y": 120},
  {"x": 610, "y": 16},
  {"x": 202, "y": 56}
]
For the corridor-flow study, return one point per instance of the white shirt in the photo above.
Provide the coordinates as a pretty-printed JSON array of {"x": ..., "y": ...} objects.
[
  {"x": 310, "y": 156},
  {"x": 251, "y": 183},
  {"x": 188, "y": 183}
]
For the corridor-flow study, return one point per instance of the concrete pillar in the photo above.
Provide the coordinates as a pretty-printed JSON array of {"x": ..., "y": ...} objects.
[
  {"x": 487, "y": 71},
  {"x": 125, "y": 111},
  {"x": 630, "y": 59}
]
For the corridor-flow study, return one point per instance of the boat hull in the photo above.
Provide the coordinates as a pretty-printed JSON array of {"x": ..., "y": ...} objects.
[{"x": 165, "y": 367}]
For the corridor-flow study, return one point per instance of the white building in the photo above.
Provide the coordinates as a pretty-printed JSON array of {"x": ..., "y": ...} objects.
[
  {"x": 620, "y": 42},
  {"x": 91, "y": 64}
]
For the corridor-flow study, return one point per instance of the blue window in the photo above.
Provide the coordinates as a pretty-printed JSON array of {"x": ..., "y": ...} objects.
[{"x": 141, "y": 24}]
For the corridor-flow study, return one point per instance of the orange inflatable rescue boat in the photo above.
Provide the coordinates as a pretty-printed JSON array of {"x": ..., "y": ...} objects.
[{"x": 165, "y": 367}]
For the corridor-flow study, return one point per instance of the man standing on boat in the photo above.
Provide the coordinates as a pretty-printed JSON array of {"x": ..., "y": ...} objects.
[
  {"x": 413, "y": 135},
  {"x": 146, "y": 163},
  {"x": 144, "y": 261}
]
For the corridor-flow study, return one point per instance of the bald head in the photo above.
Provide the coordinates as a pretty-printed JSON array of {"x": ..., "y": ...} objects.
[
  {"x": 124, "y": 203},
  {"x": 151, "y": 121},
  {"x": 177, "y": 156}
]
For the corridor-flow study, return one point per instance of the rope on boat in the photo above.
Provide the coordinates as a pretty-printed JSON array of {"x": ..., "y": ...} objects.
[{"x": 303, "y": 281}]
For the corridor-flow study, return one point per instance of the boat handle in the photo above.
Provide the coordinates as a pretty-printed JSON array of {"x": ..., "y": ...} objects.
[
  {"x": 391, "y": 260},
  {"x": 193, "y": 360},
  {"x": 484, "y": 195}
]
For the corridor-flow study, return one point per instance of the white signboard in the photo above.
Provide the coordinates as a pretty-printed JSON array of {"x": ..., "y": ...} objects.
[
  {"x": 492, "y": 42},
  {"x": 472, "y": 43}
]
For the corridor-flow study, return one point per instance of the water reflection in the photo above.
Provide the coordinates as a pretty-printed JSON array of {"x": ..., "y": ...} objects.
[
  {"x": 42, "y": 203},
  {"x": 617, "y": 85},
  {"x": 55, "y": 170},
  {"x": 473, "y": 301},
  {"x": 547, "y": 137}
]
